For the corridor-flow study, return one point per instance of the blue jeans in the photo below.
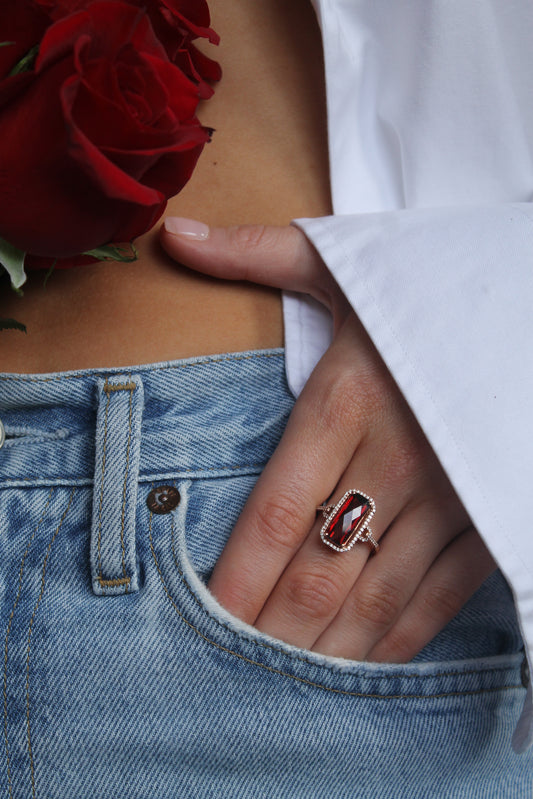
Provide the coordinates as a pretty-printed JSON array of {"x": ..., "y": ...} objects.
[{"x": 123, "y": 677}]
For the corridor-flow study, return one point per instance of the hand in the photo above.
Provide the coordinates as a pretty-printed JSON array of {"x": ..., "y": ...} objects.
[{"x": 350, "y": 428}]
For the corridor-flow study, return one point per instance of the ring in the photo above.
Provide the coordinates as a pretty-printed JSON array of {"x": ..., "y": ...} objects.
[{"x": 346, "y": 523}]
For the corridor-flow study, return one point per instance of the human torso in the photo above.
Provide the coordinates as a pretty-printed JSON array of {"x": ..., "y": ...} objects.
[{"x": 267, "y": 164}]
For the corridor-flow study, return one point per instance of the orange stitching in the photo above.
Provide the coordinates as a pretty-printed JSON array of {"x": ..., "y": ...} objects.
[
  {"x": 115, "y": 582},
  {"x": 303, "y": 679},
  {"x": 125, "y": 487},
  {"x": 43, "y": 576},
  {"x": 59, "y": 377},
  {"x": 21, "y": 572},
  {"x": 102, "y": 487},
  {"x": 109, "y": 387}
]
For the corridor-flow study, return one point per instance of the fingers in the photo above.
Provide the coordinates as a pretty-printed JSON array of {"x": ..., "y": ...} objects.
[
  {"x": 317, "y": 581},
  {"x": 459, "y": 571},
  {"x": 343, "y": 603},
  {"x": 281, "y": 257},
  {"x": 309, "y": 594},
  {"x": 388, "y": 582}
]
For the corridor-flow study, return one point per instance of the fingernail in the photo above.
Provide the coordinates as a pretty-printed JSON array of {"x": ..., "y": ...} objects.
[{"x": 188, "y": 228}]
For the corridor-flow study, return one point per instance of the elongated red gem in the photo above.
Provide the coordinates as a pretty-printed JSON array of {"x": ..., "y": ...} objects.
[{"x": 347, "y": 521}]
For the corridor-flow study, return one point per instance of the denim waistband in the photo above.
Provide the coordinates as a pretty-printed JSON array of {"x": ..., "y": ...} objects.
[{"x": 204, "y": 416}]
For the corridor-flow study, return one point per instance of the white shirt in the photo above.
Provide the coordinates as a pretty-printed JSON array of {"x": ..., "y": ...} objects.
[{"x": 430, "y": 121}]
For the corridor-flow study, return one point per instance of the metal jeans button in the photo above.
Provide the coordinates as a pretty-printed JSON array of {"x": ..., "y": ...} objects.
[{"x": 163, "y": 499}]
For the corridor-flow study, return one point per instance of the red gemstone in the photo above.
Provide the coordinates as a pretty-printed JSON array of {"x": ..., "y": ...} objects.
[{"x": 343, "y": 527}]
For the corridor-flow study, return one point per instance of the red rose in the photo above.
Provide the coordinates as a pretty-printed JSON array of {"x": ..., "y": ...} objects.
[
  {"x": 97, "y": 137},
  {"x": 176, "y": 24}
]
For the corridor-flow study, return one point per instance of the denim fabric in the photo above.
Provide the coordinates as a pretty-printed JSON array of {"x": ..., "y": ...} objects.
[{"x": 123, "y": 677}]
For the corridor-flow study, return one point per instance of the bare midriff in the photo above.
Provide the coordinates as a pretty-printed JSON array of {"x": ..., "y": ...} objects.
[{"x": 266, "y": 164}]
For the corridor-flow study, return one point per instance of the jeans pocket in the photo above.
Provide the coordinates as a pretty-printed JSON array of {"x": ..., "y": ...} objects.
[{"x": 185, "y": 578}]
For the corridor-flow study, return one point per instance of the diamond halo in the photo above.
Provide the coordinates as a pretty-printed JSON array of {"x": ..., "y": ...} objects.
[{"x": 347, "y": 522}]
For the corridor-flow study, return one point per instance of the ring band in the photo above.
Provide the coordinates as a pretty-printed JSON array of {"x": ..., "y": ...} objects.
[
  {"x": 368, "y": 538},
  {"x": 347, "y": 522}
]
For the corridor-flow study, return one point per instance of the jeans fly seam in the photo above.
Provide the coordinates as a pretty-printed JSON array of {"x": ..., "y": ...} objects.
[
  {"x": 132, "y": 388},
  {"x": 28, "y": 650},
  {"x": 61, "y": 376},
  {"x": 102, "y": 478},
  {"x": 304, "y": 680},
  {"x": 15, "y": 603}
]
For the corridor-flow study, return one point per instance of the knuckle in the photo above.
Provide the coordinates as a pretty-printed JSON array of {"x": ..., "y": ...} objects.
[
  {"x": 377, "y": 606},
  {"x": 371, "y": 386},
  {"x": 340, "y": 400},
  {"x": 398, "y": 646},
  {"x": 405, "y": 460},
  {"x": 248, "y": 237},
  {"x": 281, "y": 521},
  {"x": 239, "y": 597},
  {"x": 442, "y": 601},
  {"x": 312, "y": 596}
]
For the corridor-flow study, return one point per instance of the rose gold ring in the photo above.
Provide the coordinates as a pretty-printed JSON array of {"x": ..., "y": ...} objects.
[{"x": 347, "y": 522}]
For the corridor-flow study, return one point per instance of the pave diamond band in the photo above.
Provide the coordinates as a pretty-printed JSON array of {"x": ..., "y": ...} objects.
[{"x": 347, "y": 522}]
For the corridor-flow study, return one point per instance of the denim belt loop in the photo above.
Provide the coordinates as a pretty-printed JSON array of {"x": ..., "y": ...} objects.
[{"x": 118, "y": 444}]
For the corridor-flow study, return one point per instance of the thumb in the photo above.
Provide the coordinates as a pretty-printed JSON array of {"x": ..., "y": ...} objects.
[{"x": 274, "y": 256}]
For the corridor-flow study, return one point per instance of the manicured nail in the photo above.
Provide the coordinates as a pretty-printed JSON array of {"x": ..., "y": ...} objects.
[{"x": 188, "y": 228}]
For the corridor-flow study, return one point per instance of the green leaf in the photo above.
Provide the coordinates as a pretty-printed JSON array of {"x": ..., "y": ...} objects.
[
  {"x": 12, "y": 324},
  {"x": 12, "y": 260},
  {"x": 6, "y": 44},
  {"x": 26, "y": 63},
  {"x": 115, "y": 252}
]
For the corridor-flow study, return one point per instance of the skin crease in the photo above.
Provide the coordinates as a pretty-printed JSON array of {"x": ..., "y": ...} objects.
[{"x": 267, "y": 164}]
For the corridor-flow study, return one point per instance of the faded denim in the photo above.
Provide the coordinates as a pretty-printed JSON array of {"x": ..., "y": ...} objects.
[{"x": 122, "y": 677}]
